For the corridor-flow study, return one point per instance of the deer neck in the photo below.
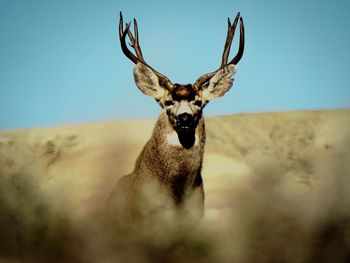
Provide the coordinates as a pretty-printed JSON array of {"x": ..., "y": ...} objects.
[
  {"x": 165, "y": 156},
  {"x": 166, "y": 161}
]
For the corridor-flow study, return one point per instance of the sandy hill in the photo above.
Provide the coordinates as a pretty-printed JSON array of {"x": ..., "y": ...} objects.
[{"x": 292, "y": 162}]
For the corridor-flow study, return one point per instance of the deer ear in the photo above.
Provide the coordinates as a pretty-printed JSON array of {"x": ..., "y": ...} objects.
[
  {"x": 147, "y": 81},
  {"x": 220, "y": 83}
]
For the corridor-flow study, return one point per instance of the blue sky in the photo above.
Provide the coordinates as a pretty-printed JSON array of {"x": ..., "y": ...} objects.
[{"x": 60, "y": 61}]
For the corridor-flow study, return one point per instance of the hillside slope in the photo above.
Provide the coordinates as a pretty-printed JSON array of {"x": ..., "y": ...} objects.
[
  {"x": 254, "y": 164},
  {"x": 84, "y": 159}
]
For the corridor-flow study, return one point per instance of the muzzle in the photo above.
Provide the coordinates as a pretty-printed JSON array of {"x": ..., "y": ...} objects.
[{"x": 184, "y": 121}]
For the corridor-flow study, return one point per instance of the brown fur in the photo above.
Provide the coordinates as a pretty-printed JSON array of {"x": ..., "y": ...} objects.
[
  {"x": 183, "y": 92},
  {"x": 166, "y": 177}
]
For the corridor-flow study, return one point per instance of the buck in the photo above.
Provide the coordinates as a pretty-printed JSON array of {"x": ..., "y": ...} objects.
[{"x": 168, "y": 170}]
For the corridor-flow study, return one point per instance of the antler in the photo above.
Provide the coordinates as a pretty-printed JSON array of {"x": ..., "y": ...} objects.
[
  {"x": 135, "y": 45},
  {"x": 230, "y": 34}
]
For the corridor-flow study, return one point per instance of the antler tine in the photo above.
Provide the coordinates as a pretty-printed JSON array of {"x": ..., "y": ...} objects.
[
  {"x": 230, "y": 34},
  {"x": 135, "y": 45},
  {"x": 131, "y": 37},
  {"x": 121, "y": 31},
  {"x": 239, "y": 55},
  {"x": 122, "y": 36},
  {"x": 135, "y": 42}
]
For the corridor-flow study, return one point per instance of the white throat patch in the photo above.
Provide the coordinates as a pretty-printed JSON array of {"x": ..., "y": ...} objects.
[{"x": 173, "y": 139}]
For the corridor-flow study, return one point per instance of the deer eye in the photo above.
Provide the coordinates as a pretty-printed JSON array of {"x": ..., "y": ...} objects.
[
  {"x": 198, "y": 103},
  {"x": 168, "y": 103}
]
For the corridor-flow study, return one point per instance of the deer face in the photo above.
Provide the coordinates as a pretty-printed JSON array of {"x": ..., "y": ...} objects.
[
  {"x": 183, "y": 103},
  {"x": 183, "y": 106}
]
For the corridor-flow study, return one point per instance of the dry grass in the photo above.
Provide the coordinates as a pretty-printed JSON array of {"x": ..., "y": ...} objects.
[{"x": 277, "y": 190}]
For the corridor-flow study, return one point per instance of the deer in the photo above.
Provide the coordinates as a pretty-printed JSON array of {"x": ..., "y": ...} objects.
[{"x": 167, "y": 172}]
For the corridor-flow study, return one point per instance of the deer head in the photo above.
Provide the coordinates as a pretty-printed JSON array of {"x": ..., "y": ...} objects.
[{"x": 182, "y": 103}]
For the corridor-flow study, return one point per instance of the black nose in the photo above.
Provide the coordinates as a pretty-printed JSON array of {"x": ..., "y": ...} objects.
[{"x": 185, "y": 120}]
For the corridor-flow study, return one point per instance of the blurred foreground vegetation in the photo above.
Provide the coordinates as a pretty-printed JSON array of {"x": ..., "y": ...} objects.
[{"x": 292, "y": 206}]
